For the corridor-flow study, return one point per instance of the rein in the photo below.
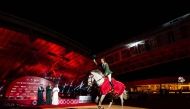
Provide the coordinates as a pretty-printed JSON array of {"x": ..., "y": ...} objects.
[
  {"x": 95, "y": 79},
  {"x": 100, "y": 78}
]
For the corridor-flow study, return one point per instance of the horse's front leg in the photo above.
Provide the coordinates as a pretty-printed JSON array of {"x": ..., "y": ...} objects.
[
  {"x": 100, "y": 101},
  {"x": 97, "y": 99}
]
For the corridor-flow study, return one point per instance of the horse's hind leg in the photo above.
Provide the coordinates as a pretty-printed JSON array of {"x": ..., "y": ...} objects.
[
  {"x": 100, "y": 101},
  {"x": 121, "y": 97},
  {"x": 110, "y": 103}
]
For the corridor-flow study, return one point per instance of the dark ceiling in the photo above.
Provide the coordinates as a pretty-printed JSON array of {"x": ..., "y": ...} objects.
[{"x": 99, "y": 26}]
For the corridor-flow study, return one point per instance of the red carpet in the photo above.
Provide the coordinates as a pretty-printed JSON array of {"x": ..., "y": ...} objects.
[
  {"x": 66, "y": 105},
  {"x": 49, "y": 106}
]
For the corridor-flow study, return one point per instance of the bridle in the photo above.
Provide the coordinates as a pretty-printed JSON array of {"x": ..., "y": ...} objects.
[{"x": 92, "y": 77}]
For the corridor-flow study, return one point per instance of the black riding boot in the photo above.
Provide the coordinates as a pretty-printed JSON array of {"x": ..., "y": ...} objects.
[{"x": 112, "y": 85}]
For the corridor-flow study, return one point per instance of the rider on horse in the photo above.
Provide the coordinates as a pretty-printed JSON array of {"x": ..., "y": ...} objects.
[{"x": 106, "y": 70}]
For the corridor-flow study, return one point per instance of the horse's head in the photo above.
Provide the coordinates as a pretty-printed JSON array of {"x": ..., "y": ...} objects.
[
  {"x": 90, "y": 79},
  {"x": 94, "y": 75}
]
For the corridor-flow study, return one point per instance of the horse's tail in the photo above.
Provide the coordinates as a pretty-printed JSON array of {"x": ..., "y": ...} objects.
[{"x": 125, "y": 95}]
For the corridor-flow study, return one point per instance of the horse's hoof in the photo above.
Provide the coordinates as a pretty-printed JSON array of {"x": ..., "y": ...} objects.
[{"x": 100, "y": 107}]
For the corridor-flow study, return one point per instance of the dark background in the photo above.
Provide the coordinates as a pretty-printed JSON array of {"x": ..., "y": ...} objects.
[
  {"x": 98, "y": 25},
  {"x": 175, "y": 68}
]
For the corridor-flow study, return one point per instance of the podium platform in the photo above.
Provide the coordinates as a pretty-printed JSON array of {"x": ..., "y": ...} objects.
[{"x": 84, "y": 99}]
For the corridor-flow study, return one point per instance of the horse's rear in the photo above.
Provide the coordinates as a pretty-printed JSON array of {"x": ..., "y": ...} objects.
[
  {"x": 119, "y": 88},
  {"x": 125, "y": 95}
]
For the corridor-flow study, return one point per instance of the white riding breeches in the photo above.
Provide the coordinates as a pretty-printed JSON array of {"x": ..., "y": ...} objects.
[{"x": 109, "y": 77}]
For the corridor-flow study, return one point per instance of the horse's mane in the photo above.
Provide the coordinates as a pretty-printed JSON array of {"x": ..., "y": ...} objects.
[{"x": 97, "y": 71}]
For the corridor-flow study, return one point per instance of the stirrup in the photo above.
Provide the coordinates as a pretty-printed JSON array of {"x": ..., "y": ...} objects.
[{"x": 112, "y": 90}]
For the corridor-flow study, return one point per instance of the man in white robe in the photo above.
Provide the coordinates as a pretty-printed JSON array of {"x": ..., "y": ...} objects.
[{"x": 55, "y": 98}]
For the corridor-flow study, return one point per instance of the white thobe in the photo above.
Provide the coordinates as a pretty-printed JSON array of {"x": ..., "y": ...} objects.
[{"x": 55, "y": 98}]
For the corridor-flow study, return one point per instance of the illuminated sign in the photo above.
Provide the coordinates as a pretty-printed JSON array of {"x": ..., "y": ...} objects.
[
  {"x": 181, "y": 79},
  {"x": 26, "y": 87}
]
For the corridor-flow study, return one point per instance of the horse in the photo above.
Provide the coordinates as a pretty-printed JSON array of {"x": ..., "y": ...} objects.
[{"x": 105, "y": 87}]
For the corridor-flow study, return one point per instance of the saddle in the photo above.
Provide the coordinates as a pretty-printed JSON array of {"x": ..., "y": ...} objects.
[{"x": 118, "y": 88}]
